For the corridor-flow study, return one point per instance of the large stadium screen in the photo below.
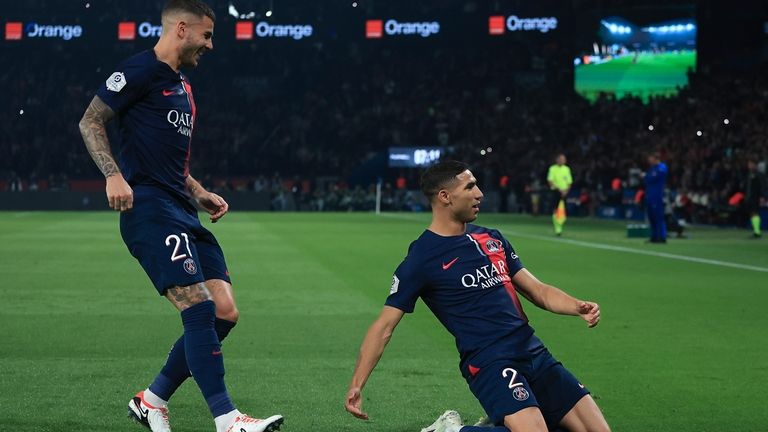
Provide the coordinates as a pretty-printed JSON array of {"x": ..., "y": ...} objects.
[{"x": 641, "y": 59}]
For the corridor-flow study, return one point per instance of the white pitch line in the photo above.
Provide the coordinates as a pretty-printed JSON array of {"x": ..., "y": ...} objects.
[
  {"x": 604, "y": 246},
  {"x": 642, "y": 252}
]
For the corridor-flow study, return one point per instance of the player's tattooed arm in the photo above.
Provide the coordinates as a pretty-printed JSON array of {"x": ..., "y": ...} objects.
[
  {"x": 94, "y": 131},
  {"x": 184, "y": 297},
  {"x": 194, "y": 186},
  {"x": 212, "y": 203}
]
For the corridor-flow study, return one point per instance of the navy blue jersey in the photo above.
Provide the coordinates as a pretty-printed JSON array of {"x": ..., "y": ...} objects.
[
  {"x": 466, "y": 281},
  {"x": 156, "y": 115}
]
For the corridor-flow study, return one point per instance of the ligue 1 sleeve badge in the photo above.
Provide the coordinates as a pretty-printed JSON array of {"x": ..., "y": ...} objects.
[
  {"x": 395, "y": 285},
  {"x": 189, "y": 266},
  {"x": 116, "y": 82}
]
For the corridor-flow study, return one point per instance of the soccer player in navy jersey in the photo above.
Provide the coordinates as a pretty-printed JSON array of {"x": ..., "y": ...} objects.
[
  {"x": 151, "y": 187},
  {"x": 469, "y": 276}
]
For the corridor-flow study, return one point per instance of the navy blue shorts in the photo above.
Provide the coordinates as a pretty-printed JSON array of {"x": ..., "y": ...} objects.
[
  {"x": 505, "y": 387},
  {"x": 169, "y": 242}
]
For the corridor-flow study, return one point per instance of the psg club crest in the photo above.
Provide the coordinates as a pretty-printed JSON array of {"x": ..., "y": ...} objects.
[
  {"x": 189, "y": 266},
  {"x": 493, "y": 245},
  {"x": 520, "y": 393}
]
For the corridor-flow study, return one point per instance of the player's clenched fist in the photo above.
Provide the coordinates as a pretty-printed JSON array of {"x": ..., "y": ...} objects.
[
  {"x": 589, "y": 312},
  {"x": 213, "y": 204},
  {"x": 119, "y": 193},
  {"x": 354, "y": 403}
]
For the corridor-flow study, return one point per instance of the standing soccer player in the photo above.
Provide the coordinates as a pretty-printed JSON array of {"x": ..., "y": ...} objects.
[
  {"x": 560, "y": 181},
  {"x": 755, "y": 195},
  {"x": 469, "y": 277},
  {"x": 655, "y": 180},
  {"x": 152, "y": 189}
]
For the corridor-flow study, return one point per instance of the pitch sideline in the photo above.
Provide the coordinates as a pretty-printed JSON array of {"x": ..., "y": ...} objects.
[{"x": 604, "y": 246}]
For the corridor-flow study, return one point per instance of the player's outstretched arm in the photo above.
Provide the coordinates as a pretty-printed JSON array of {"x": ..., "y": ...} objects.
[
  {"x": 209, "y": 201},
  {"x": 94, "y": 131},
  {"x": 372, "y": 348},
  {"x": 554, "y": 299}
]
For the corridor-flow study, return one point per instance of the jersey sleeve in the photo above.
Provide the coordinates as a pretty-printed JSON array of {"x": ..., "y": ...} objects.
[
  {"x": 551, "y": 174},
  {"x": 569, "y": 177},
  {"x": 125, "y": 86},
  {"x": 650, "y": 177},
  {"x": 407, "y": 283},
  {"x": 654, "y": 176},
  {"x": 513, "y": 261}
]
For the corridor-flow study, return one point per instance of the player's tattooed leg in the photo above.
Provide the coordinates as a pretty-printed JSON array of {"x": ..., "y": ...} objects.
[{"x": 188, "y": 296}]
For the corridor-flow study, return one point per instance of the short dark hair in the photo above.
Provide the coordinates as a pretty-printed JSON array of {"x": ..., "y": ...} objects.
[
  {"x": 195, "y": 7},
  {"x": 440, "y": 175}
]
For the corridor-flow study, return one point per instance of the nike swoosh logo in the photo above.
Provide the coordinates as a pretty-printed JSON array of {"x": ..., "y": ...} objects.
[
  {"x": 216, "y": 353},
  {"x": 447, "y": 266},
  {"x": 144, "y": 411},
  {"x": 169, "y": 92}
]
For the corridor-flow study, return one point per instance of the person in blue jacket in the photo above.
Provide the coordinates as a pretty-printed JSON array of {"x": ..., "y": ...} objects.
[{"x": 655, "y": 179}]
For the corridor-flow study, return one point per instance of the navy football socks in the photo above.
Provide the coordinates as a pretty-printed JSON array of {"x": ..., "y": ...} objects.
[
  {"x": 176, "y": 371},
  {"x": 204, "y": 358}
]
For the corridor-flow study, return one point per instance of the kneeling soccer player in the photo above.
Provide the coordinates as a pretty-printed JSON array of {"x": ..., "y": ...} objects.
[{"x": 469, "y": 277}]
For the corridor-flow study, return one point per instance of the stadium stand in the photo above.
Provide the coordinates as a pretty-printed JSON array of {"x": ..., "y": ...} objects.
[{"x": 303, "y": 124}]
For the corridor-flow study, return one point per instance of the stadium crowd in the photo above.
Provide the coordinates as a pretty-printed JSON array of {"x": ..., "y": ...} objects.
[{"x": 312, "y": 124}]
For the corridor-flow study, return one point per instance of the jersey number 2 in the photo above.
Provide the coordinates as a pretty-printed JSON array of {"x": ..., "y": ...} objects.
[
  {"x": 506, "y": 372},
  {"x": 175, "y": 256}
]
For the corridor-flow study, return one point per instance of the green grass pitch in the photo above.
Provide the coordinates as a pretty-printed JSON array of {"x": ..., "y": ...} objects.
[
  {"x": 651, "y": 75},
  {"x": 681, "y": 347}
]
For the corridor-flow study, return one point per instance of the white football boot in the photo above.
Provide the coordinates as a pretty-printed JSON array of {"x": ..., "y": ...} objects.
[
  {"x": 152, "y": 418},
  {"x": 450, "y": 421},
  {"x": 245, "y": 423},
  {"x": 484, "y": 422}
]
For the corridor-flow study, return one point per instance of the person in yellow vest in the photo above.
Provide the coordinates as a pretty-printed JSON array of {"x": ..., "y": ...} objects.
[{"x": 560, "y": 181}]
